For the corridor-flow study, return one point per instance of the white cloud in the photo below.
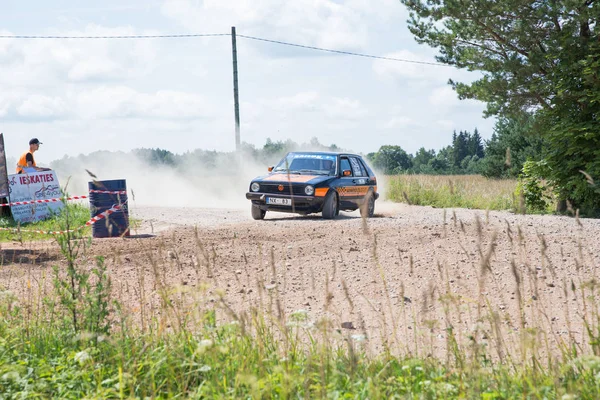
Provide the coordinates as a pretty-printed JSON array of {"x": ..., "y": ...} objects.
[
  {"x": 107, "y": 102},
  {"x": 445, "y": 98},
  {"x": 95, "y": 68},
  {"x": 39, "y": 106},
  {"x": 399, "y": 122},
  {"x": 124, "y": 102},
  {"x": 446, "y": 124},
  {"x": 46, "y": 62},
  {"x": 322, "y": 23},
  {"x": 321, "y": 107},
  {"x": 303, "y": 101},
  {"x": 345, "y": 109},
  {"x": 401, "y": 70}
]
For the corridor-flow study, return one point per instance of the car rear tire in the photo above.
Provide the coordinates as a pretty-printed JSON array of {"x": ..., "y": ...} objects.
[
  {"x": 330, "y": 206},
  {"x": 367, "y": 210},
  {"x": 257, "y": 213}
]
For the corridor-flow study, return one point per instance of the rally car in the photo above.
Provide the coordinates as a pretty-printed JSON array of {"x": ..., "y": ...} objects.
[{"x": 313, "y": 182}]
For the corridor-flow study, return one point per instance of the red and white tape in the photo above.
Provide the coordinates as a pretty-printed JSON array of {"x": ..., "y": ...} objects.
[
  {"x": 105, "y": 214},
  {"x": 92, "y": 221},
  {"x": 21, "y": 203}
]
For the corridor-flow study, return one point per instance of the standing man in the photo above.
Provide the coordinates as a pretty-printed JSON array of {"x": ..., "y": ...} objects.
[{"x": 27, "y": 162}]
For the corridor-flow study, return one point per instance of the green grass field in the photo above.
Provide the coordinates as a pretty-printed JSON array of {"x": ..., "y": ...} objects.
[
  {"x": 453, "y": 191},
  {"x": 73, "y": 216}
]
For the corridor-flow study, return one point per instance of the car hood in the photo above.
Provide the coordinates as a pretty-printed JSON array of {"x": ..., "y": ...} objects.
[{"x": 292, "y": 178}]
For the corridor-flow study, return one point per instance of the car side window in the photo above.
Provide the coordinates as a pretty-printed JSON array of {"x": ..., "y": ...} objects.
[
  {"x": 357, "y": 167},
  {"x": 364, "y": 165},
  {"x": 345, "y": 164}
]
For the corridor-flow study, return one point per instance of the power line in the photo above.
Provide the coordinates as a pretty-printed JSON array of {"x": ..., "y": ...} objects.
[
  {"x": 113, "y": 37},
  {"x": 348, "y": 53}
]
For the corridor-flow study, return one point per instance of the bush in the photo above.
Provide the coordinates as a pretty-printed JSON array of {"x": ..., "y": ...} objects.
[{"x": 532, "y": 189}]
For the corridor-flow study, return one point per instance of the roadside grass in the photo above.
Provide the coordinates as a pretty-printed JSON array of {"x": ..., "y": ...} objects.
[
  {"x": 80, "y": 341},
  {"x": 453, "y": 191},
  {"x": 225, "y": 362},
  {"x": 74, "y": 215}
]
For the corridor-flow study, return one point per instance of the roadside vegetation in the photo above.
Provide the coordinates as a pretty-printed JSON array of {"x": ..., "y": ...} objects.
[
  {"x": 453, "y": 191},
  {"x": 74, "y": 215},
  {"x": 69, "y": 335},
  {"x": 524, "y": 195}
]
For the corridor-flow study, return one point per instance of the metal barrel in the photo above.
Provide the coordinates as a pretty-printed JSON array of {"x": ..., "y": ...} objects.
[{"x": 113, "y": 225}]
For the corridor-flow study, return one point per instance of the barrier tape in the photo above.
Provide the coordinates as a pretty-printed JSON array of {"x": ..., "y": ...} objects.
[
  {"x": 105, "y": 214},
  {"x": 92, "y": 221},
  {"x": 21, "y": 203}
]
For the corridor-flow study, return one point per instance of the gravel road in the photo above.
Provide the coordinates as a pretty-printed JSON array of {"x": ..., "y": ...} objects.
[
  {"x": 161, "y": 218},
  {"x": 401, "y": 277}
]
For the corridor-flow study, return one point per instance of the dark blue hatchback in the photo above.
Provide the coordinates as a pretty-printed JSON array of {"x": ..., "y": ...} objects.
[{"x": 313, "y": 182}]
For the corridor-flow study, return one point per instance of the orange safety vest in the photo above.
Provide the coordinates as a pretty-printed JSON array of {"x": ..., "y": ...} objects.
[{"x": 23, "y": 162}]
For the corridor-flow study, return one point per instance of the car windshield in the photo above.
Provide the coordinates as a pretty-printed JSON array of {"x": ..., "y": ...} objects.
[{"x": 307, "y": 164}]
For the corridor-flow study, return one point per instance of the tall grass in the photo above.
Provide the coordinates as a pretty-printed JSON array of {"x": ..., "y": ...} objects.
[
  {"x": 453, "y": 191},
  {"x": 190, "y": 341},
  {"x": 14, "y": 231}
]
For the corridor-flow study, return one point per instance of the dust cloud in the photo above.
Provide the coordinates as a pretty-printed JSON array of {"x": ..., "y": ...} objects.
[
  {"x": 206, "y": 180},
  {"x": 191, "y": 184}
]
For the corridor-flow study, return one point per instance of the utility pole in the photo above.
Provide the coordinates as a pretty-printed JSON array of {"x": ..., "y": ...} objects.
[{"x": 236, "y": 100}]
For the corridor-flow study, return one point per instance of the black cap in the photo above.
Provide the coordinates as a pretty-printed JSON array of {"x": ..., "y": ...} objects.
[{"x": 34, "y": 141}]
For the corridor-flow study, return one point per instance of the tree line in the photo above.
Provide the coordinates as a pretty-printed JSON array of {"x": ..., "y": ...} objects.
[
  {"x": 540, "y": 63},
  {"x": 502, "y": 156}
]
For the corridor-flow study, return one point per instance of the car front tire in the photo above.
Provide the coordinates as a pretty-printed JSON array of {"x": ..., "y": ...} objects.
[
  {"x": 257, "y": 213},
  {"x": 330, "y": 206}
]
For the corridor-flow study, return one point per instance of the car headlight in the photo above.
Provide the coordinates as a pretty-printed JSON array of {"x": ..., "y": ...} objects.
[
  {"x": 255, "y": 187},
  {"x": 309, "y": 190}
]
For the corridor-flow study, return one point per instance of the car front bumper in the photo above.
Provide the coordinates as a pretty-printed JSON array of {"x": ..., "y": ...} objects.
[{"x": 299, "y": 204}]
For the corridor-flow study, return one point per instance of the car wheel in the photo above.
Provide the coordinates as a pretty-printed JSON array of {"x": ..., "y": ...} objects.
[
  {"x": 330, "y": 206},
  {"x": 257, "y": 213},
  {"x": 367, "y": 210}
]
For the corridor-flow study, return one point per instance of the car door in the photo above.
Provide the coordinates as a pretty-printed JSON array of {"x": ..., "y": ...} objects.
[{"x": 354, "y": 186}]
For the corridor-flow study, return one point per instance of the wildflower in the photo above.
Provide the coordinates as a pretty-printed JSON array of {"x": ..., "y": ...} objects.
[
  {"x": 11, "y": 376},
  {"x": 82, "y": 357},
  {"x": 204, "y": 345},
  {"x": 299, "y": 315},
  {"x": 205, "y": 368}
]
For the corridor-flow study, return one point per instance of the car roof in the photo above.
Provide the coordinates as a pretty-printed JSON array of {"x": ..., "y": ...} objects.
[{"x": 329, "y": 153}]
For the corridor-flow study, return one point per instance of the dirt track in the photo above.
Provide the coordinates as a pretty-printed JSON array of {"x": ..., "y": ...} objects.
[{"x": 410, "y": 272}]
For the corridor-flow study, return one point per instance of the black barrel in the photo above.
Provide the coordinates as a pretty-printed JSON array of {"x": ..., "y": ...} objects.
[{"x": 117, "y": 223}]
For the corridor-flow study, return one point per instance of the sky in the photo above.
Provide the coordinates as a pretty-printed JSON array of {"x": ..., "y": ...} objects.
[{"x": 78, "y": 96}]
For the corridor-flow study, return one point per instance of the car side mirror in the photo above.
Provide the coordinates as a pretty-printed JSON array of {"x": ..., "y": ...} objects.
[
  {"x": 270, "y": 168},
  {"x": 347, "y": 172}
]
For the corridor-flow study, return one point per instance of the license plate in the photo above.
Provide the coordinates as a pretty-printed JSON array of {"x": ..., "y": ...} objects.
[{"x": 278, "y": 201}]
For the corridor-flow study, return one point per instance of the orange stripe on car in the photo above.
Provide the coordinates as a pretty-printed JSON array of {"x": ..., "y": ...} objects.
[
  {"x": 352, "y": 190},
  {"x": 321, "y": 192}
]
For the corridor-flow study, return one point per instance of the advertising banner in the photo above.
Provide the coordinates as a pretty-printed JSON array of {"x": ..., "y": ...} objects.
[
  {"x": 3, "y": 169},
  {"x": 34, "y": 186}
]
